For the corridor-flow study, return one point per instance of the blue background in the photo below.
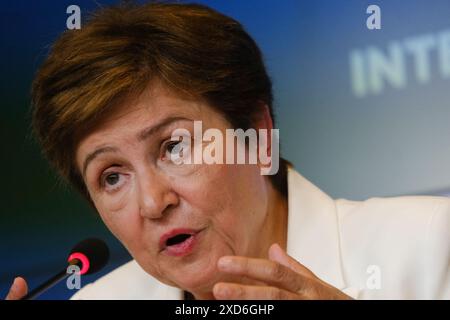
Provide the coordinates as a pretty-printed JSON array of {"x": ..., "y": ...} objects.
[{"x": 391, "y": 143}]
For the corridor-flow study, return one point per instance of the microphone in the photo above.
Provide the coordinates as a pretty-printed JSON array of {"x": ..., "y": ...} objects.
[{"x": 90, "y": 255}]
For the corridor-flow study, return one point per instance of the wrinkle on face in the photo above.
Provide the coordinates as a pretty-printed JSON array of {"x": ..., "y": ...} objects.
[{"x": 230, "y": 201}]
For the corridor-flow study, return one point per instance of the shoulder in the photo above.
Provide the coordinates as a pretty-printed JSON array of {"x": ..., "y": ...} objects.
[
  {"x": 405, "y": 212},
  {"x": 127, "y": 282},
  {"x": 408, "y": 238}
]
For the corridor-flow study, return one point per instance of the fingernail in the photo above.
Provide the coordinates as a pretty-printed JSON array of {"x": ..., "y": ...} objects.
[
  {"x": 222, "y": 291},
  {"x": 275, "y": 251},
  {"x": 224, "y": 263},
  {"x": 277, "y": 246}
]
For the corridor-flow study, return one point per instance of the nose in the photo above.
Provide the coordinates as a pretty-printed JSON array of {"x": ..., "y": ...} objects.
[{"x": 156, "y": 195}]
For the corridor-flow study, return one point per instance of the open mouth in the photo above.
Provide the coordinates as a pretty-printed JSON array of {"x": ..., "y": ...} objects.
[
  {"x": 179, "y": 242},
  {"x": 179, "y": 238}
]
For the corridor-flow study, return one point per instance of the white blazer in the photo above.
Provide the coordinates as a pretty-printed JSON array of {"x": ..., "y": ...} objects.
[{"x": 381, "y": 248}]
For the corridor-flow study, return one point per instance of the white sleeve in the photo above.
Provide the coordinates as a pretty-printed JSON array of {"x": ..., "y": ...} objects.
[
  {"x": 437, "y": 262},
  {"x": 79, "y": 295}
]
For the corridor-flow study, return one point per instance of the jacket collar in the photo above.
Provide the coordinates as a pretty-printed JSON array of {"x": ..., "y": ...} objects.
[{"x": 313, "y": 230}]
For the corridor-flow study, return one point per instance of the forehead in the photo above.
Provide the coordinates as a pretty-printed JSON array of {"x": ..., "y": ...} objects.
[
  {"x": 155, "y": 103},
  {"x": 153, "y": 106}
]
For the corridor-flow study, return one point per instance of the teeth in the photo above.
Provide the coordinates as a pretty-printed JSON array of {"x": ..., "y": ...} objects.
[{"x": 177, "y": 239}]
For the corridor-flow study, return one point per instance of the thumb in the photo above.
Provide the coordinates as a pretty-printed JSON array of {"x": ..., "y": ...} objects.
[
  {"x": 18, "y": 289},
  {"x": 279, "y": 255}
]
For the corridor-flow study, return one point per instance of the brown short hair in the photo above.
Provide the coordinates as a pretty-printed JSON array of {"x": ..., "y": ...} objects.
[{"x": 190, "y": 48}]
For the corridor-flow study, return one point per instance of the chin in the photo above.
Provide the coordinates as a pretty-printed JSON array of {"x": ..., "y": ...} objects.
[{"x": 199, "y": 279}]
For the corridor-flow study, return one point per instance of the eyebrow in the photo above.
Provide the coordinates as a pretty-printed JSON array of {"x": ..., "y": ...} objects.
[
  {"x": 145, "y": 133},
  {"x": 142, "y": 135}
]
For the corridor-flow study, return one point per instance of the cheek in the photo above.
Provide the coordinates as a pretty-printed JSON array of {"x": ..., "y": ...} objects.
[
  {"x": 231, "y": 199},
  {"x": 121, "y": 216},
  {"x": 119, "y": 200}
]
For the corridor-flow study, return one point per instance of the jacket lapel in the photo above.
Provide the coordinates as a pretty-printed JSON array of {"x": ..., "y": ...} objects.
[{"x": 313, "y": 230}]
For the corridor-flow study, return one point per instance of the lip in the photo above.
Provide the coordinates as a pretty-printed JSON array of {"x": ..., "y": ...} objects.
[{"x": 180, "y": 249}]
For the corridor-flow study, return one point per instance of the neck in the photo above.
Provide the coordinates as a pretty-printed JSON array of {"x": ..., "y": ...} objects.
[{"x": 275, "y": 226}]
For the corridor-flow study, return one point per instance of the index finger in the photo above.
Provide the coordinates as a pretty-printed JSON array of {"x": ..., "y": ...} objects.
[
  {"x": 18, "y": 289},
  {"x": 270, "y": 272}
]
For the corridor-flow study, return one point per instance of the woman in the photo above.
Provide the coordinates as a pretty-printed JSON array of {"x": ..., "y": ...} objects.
[{"x": 106, "y": 103}]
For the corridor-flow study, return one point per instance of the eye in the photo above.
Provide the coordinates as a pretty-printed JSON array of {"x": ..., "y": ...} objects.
[
  {"x": 176, "y": 150},
  {"x": 169, "y": 148},
  {"x": 171, "y": 145},
  {"x": 112, "y": 181}
]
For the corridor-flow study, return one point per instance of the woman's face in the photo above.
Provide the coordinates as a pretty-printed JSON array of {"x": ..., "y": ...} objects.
[{"x": 146, "y": 200}]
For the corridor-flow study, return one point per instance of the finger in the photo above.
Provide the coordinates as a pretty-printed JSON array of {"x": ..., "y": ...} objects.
[
  {"x": 276, "y": 253},
  {"x": 18, "y": 289},
  {"x": 279, "y": 255},
  {"x": 269, "y": 272},
  {"x": 235, "y": 291}
]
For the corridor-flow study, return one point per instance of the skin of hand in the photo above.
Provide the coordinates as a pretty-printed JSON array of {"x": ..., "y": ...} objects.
[
  {"x": 284, "y": 278},
  {"x": 18, "y": 289}
]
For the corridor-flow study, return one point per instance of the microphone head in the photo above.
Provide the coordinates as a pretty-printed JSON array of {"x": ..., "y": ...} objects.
[{"x": 92, "y": 255}]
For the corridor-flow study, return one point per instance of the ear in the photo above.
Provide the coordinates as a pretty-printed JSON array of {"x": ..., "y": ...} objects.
[{"x": 265, "y": 121}]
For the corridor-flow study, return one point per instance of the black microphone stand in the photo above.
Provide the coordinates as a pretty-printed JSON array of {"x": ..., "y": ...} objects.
[{"x": 50, "y": 282}]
